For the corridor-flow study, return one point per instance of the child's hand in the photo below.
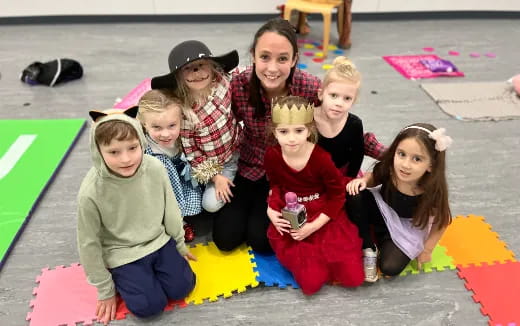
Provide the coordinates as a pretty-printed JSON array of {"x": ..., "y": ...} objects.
[
  {"x": 222, "y": 188},
  {"x": 424, "y": 257},
  {"x": 189, "y": 256},
  {"x": 303, "y": 232},
  {"x": 281, "y": 224},
  {"x": 356, "y": 185},
  {"x": 106, "y": 310}
]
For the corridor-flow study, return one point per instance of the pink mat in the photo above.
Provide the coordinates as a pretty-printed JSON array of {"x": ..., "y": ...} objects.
[
  {"x": 64, "y": 297},
  {"x": 410, "y": 66},
  {"x": 135, "y": 94}
]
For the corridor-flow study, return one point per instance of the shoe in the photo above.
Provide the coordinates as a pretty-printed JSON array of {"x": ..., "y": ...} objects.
[
  {"x": 189, "y": 233},
  {"x": 370, "y": 265}
]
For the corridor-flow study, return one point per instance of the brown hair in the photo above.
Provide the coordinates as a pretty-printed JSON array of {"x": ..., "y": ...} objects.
[
  {"x": 434, "y": 201},
  {"x": 114, "y": 129},
  {"x": 281, "y": 27},
  {"x": 290, "y": 101}
]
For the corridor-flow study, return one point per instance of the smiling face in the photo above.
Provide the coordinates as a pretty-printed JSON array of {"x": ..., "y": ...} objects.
[
  {"x": 411, "y": 161},
  {"x": 164, "y": 127},
  {"x": 337, "y": 99},
  {"x": 122, "y": 157},
  {"x": 273, "y": 57},
  {"x": 292, "y": 138},
  {"x": 197, "y": 75}
]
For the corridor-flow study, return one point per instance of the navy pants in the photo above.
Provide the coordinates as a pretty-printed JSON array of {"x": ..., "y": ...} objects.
[{"x": 147, "y": 284}]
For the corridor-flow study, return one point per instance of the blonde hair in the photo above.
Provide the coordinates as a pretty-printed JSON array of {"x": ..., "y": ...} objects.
[
  {"x": 156, "y": 101},
  {"x": 343, "y": 70},
  {"x": 183, "y": 92}
]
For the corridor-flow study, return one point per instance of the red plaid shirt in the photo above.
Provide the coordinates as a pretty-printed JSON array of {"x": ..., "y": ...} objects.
[
  {"x": 373, "y": 147},
  {"x": 253, "y": 145},
  {"x": 216, "y": 133}
]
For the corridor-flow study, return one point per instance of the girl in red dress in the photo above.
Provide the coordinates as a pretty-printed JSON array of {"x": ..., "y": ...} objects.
[{"x": 327, "y": 247}]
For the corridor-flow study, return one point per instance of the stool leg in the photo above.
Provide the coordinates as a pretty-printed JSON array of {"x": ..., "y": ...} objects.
[
  {"x": 326, "y": 32},
  {"x": 339, "y": 21},
  {"x": 344, "y": 39},
  {"x": 287, "y": 13}
]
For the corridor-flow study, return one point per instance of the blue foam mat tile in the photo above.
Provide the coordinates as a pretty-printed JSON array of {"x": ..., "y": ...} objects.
[{"x": 271, "y": 272}]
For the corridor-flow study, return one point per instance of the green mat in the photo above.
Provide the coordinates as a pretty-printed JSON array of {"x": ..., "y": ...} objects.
[
  {"x": 440, "y": 262},
  {"x": 31, "y": 151}
]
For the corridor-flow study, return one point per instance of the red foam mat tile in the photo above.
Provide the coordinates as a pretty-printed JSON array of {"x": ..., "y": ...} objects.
[{"x": 497, "y": 288}]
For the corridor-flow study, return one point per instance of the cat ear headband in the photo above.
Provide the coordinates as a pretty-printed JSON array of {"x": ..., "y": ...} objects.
[
  {"x": 131, "y": 112},
  {"x": 442, "y": 141}
]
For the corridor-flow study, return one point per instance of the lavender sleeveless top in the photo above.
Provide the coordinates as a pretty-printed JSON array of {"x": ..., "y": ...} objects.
[{"x": 408, "y": 238}]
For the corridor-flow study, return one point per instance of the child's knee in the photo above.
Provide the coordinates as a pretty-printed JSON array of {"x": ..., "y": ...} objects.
[
  {"x": 180, "y": 289},
  {"x": 147, "y": 304},
  {"x": 210, "y": 202},
  {"x": 311, "y": 280},
  {"x": 311, "y": 285},
  {"x": 390, "y": 269},
  {"x": 212, "y": 205}
]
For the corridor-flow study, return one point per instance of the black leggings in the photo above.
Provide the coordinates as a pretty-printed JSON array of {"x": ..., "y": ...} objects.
[
  {"x": 244, "y": 219},
  {"x": 364, "y": 212}
]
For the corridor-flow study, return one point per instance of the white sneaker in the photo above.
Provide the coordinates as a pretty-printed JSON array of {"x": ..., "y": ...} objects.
[{"x": 370, "y": 264}]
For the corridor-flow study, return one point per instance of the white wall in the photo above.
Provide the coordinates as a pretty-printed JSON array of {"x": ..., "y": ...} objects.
[{"x": 14, "y": 8}]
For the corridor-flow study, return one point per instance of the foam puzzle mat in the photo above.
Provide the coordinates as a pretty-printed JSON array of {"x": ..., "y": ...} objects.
[
  {"x": 122, "y": 309},
  {"x": 471, "y": 241},
  {"x": 221, "y": 273},
  {"x": 31, "y": 152},
  {"x": 63, "y": 297},
  {"x": 132, "y": 98},
  {"x": 476, "y": 250},
  {"x": 497, "y": 288},
  {"x": 271, "y": 272},
  {"x": 440, "y": 262}
]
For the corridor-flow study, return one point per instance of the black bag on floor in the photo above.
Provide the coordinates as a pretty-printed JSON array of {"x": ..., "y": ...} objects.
[{"x": 52, "y": 72}]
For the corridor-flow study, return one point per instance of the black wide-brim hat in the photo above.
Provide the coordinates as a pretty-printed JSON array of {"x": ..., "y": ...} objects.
[{"x": 187, "y": 52}]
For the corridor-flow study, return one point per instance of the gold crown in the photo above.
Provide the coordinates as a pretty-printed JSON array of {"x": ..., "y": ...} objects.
[{"x": 292, "y": 115}]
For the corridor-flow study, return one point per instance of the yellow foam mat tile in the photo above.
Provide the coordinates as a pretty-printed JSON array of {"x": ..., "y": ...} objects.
[
  {"x": 221, "y": 273},
  {"x": 470, "y": 241}
]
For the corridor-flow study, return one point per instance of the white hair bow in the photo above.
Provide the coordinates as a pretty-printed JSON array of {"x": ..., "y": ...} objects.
[{"x": 442, "y": 141}]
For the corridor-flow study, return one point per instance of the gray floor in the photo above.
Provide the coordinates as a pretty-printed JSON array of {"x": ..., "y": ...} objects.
[{"x": 482, "y": 165}]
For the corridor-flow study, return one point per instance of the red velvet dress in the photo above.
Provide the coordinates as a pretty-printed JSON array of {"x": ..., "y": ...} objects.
[{"x": 332, "y": 253}]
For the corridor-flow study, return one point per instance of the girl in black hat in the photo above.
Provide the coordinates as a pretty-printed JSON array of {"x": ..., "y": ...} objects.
[{"x": 209, "y": 133}]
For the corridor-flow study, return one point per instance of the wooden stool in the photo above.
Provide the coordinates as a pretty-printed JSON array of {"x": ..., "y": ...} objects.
[{"x": 324, "y": 7}]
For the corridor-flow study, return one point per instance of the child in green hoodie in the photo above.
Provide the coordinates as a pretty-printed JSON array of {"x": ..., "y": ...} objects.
[{"x": 130, "y": 232}]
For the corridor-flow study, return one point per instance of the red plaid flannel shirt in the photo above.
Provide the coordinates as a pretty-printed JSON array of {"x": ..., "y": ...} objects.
[
  {"x": 253, "y": 145},
  {"x": 373, "y": 147},
  {"x": 216, "y": 134}
]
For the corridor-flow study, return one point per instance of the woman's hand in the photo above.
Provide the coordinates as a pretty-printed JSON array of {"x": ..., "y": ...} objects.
[
  {"x": 281, "y": 224},
  {"x": 355, "y": 186},
  {"x": 106, "y": 310},
  {"x": 222, "y": 188}
]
